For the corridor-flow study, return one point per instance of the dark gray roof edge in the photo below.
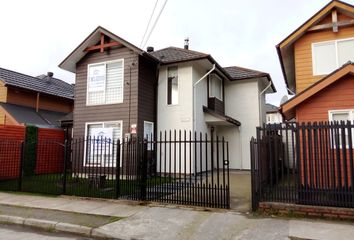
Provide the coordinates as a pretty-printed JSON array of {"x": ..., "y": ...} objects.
[{"x": 35, "y": 79}]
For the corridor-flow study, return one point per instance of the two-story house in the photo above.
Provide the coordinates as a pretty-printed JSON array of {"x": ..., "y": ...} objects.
[
  {"x": 121, "y": 87},
  {"x": 42, "y": 101},
  {"x": 196, "y": 94},
  {"x": 316, "y": 65}
]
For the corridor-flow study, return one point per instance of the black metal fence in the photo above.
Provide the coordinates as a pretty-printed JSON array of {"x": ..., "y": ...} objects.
[
  {"x": 309, "y": 164},
  {"x": 178, "y": 167}
]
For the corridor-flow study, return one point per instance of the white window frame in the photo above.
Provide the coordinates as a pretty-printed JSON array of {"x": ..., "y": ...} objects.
[
  {"x": 221, "y": 89},
  {"x": 104, "y": 91},
  {"x": 85, "y": 145},
  {"x": 150, "y": 146},
  {"x": 178, "y": 86},
  {"x": 351, "y": 118},
  {"x": 313, "y": 45}
]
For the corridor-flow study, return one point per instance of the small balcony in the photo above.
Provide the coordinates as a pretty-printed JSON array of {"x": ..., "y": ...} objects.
[{"x": 216, "y": 105}]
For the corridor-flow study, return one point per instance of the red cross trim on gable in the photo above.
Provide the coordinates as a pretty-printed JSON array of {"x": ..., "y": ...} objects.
[{"x": 103, "y": 45}]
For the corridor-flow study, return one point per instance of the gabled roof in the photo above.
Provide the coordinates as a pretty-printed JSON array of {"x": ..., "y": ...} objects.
[
  {"x": 69, "y": 63},
  {"x": 240, "y": 73},
  {"x": 270, "y": 108},
  {"x": 285, "y": 48},
  {"x": 173, "y": 55},
  {"x": 28, "y": 115},
  {"x": 288, "y": 108},
  {"x": 42, "y": 84}
]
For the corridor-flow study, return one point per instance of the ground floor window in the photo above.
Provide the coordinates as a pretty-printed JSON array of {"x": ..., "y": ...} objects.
[
  {"x": 338, "y": 116},
  {"x": 101, "y": 145},
  {"x": 149, "y": 133}
]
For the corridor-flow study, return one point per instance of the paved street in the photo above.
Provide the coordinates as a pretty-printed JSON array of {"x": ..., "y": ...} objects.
[
  {"x": 154, "y": 222},
  {"x": 11, "y": 232}
]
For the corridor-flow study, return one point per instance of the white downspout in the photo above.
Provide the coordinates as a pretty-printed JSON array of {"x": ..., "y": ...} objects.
[
  {"x": 260, "y": 103},
  {"x": 194, "y": 92}
]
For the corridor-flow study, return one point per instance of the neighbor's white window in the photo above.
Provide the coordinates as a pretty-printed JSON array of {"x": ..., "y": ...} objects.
[
  {"x": 341, "y": 115},
  {"x": 105, "y": 83},
  {"x": 172, "y": 86},
  {"x": 215, "y": 87},
  {"x": 328, "y": 56},
  {"x": 149, "y": 134},
  {"x": 101, "y": 138}
]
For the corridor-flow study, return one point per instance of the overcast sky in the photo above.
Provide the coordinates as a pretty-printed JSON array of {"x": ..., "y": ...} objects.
[{"x": 37, "y": 35}]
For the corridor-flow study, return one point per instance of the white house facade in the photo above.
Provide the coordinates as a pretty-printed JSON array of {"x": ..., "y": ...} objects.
[{"x": 196, "y": 94}]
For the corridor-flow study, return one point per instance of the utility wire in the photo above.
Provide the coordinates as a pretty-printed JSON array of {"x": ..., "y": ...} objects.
[
  {"x": 152, "y": 29},
  {"x": 147, "y": 27}
]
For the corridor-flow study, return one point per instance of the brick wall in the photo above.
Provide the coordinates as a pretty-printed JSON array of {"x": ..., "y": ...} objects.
[{"x": 306, "y": 210}]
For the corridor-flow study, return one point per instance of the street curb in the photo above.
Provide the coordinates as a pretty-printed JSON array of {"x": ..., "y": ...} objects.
[{"x": 46, "y": 225}]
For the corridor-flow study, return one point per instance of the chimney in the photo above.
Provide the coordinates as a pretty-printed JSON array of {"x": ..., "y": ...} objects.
[
  {"x": 150, "y": 49},
  {"x": 49, "y": 77},
  {"x": 186, "y": 43}
]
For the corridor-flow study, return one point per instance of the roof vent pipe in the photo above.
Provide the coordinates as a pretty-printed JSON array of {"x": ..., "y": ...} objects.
[
  {"x": 150, "y": 49},
  {"x": 50, "y": 74},
  {"x": 186, "y": 43}
]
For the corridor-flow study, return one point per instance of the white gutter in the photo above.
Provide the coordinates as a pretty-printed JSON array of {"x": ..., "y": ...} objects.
[
  {"x": 194, "y": 93},
  {"x": 270, "y": 84},
  {"x": 211, "y": 70},
  {"x": 260, "y": 103},
  {"x": 290, "y": 91}
]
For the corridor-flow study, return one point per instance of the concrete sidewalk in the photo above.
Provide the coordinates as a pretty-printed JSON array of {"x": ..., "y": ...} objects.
[{"x": 155, "y": 221}]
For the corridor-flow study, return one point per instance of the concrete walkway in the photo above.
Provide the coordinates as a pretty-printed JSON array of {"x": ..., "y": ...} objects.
[{"x": 155, "y": 221}]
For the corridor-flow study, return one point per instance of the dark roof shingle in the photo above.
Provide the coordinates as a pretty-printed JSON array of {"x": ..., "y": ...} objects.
[
  {"x": 270, "y": 108},
  {"x": 28, "y": 115},
  {"x": 239, "y": 73},
  {"x": 42, "y": 83},
  {"x": 174, "y": 54}
]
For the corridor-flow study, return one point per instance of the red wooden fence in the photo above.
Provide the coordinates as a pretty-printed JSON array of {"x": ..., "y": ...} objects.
[
  {"x": 11, "y": 138},
  {"x": 50, "y": 150}
]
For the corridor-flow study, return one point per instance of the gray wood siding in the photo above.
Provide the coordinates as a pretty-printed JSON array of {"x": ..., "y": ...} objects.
[
  {"x": 147, "y": 93},
  {"x": 109, "y": 112}
]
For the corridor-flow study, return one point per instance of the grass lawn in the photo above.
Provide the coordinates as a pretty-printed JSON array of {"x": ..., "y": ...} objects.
[{"x": 52, "y": 184}]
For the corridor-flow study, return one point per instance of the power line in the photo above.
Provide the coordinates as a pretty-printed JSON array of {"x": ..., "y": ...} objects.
[
  {"x": 152, "y": 29},
  {"x": 147, "y": 27}
]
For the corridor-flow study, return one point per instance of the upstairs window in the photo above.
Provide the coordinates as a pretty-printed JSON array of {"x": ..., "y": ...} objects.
[
  {"x": 328, "y": 56},
  {"x": 172, "y": 86},
  {"x": 215, "y": 87},
  {"x": 105, "y": 83}
]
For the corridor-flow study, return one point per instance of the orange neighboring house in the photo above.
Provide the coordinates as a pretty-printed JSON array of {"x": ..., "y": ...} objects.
[
  {"x": 42, "y": 101},
  {"x": 316, "y": 65}
]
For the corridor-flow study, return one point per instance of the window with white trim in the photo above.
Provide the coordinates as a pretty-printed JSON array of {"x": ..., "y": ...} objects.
[
  {"x": 172, "y": 85},
  {"x": 215, "y": 86},
  {"x": 100, "y": 137},
  {"x": 339, "y": 116},
  {"x": 149, "y": 134},
  {"x": 330, "y": 55},
  {"x": 105, "y": 82}
]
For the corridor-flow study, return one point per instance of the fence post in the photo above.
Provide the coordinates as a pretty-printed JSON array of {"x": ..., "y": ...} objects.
[
  {"x": 143, "y": 171},
  {"x": 20, "y": 176},
  {"x": 65, "y": 164},
  {"x": 255, "y": 199},
  {"x": 118, "y": 169}
]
